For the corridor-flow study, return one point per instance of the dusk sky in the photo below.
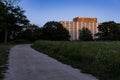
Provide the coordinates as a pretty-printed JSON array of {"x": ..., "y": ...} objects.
[{"x": 41, "y": 11}]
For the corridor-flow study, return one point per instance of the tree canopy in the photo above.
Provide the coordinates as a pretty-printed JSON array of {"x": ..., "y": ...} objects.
[
  {"x": 85, "y": 35},
  {"x": 12, "y": 19},
  {"x": 109, "y": 31},
  {"x": 2, "y": 12},
  {"x": 31, "y": 33},
  {"x": 55, "y": 31}
]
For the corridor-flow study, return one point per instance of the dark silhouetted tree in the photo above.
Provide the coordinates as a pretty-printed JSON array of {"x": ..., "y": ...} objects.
[
  {"x": 32, "y": 33},
  {"x": 13, "y": 19},
  {"x": 55, "y": 31},
  {"x": 2, "y": 13},
  {"x": 109, "y": 31},
  {"x": 85, "y": 35}
]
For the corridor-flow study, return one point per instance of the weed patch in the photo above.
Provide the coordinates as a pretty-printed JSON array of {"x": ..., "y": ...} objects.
[
  {"x": 102, "y": 59},
  {"x": 4, "y": 53}
]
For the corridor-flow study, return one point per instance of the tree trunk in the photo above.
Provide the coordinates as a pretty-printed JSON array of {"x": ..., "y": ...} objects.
[{"x": 6, "y": 33}]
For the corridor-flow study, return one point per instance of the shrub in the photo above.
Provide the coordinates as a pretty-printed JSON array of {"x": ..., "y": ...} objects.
[
  {"x": 20, "y": 41},
  {"x": 85, "y": 35}
]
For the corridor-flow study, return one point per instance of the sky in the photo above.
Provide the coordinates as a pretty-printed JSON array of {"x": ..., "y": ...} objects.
[{"x": 41, "y": 11}]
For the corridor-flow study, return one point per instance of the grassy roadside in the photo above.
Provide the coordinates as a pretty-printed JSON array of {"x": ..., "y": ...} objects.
[
  {"x": 101, "y": 59},
  {"x": 4, "y": 53}
]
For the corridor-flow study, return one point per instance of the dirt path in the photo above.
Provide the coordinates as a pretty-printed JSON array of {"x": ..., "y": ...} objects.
[{"x": 27, "y": 64}]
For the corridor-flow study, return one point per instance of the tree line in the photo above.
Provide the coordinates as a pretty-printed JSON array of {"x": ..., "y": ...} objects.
[
  {"x": 50, "y": 31},
  {"x": 107, "y": 31},
  {"x": 55, "y": 31},
  {"x": 12, "y": 19},
  {"x": 15, "y": 25}
]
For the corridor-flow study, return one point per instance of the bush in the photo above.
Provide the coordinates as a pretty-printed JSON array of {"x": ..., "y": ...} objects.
[
  {"x": 85, "y": 35},
  {"x": 20, "y": 41}
]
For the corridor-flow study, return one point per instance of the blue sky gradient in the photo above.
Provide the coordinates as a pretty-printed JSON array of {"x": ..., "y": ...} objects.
[{"x": 41, "y": 11}]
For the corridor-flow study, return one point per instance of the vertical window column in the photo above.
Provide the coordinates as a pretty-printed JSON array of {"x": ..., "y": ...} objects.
[
  {"x": 93, "y": 32},
  {"x": 96, "y": 27},
  {"x": 89, "y": 25},
  {"x": 77, "y": 30}
]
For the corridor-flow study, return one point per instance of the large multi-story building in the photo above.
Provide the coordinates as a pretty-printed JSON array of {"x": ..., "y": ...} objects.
[{"x": 77, "y": 24}]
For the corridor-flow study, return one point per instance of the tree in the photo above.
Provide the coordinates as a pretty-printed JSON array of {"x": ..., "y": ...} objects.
[
  {"x": 55, "y": 31},
  {"x": 85, "y": 35},
  {"x": 109, "y": 31},
  {"x": 2, "y": 20},
  {"x": 10, "y": 2},
  {"x": 13, "y": 19},
  {"x": 32, "y": 33},
  {"x": 2, "y": 13}
]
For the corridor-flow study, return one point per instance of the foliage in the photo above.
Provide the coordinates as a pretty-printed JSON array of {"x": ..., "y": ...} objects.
[
  {"x": 2, "y": 12},
  {"x": 20, "y": 41},
  {"x": 54, "y": 31},
  {"x": 2, "y": 33},
  {"x": 13, "y": 19},
  {"x": 101, "y": 59},
  {"x": 3, "y": 58},
  {"x": 85, "y": 35},
  {"x": 109, "y": 31},
  {"x": 10, "y": 2},
  {"x": 32, "y": 33}
]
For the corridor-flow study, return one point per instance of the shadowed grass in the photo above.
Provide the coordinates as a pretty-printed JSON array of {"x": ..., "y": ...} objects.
[
  {"x": 101, "y": 59},
  {"x": 4, "y": 52}
]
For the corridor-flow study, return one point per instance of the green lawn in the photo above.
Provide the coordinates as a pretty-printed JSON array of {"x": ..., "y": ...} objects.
[
  {"x": 102, "y": 59},
  {"x": 4, "y": 52}
]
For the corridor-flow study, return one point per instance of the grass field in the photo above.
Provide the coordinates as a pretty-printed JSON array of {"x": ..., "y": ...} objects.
[
  {"x": 4, "y": 52},
  {"x": 102, "y": 59}
]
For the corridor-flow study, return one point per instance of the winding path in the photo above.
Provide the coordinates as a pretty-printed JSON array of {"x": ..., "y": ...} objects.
[{"x": 26, "y": 63}]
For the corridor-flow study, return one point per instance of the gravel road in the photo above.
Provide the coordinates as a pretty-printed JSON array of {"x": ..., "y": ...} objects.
[{"x": 26, "y": 63}]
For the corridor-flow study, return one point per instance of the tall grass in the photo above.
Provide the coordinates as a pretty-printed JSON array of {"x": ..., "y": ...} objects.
[
  {"x": 4, "y": 52},
  {"x": 102, "y": 59}
]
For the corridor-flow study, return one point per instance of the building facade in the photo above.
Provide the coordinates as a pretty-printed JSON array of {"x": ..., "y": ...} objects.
[{"x": 77, "y": 24}]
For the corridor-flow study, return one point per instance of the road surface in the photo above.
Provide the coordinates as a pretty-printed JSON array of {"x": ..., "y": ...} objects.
[{"x": 26, "y": 63}]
